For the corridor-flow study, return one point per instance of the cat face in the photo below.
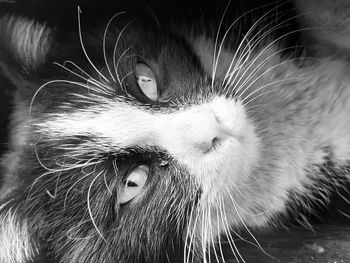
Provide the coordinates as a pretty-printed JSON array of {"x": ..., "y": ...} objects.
[{"x": 124, "y": 143}]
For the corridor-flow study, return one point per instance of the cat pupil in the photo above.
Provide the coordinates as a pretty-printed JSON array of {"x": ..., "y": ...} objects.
[
  {"x": 131, "y": 184},
  {"x": 144, "y": 79}
]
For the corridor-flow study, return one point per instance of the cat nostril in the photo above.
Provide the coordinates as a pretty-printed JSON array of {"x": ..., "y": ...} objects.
[
  {"x": 204, "y": 131},
  {"x": 215, "y": 142}
]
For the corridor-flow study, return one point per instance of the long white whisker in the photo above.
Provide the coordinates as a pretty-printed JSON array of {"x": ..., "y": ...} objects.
[
  {"x": 203, "y": 234},
  {"x": 35, "y": 181},
  {"x": 268, "y": 46},
  {"x": 59, "y": 81},
  {"x": 245, "y": 53},
  {"x": 215, "y": 59},
  {"x": 105, "y": 181},
  {"x": 242, "y": 59},
  {"x": 271, "y": 30},
  {"x": 76, "y": 66},
  {"x": 115, "y": 51},
  {"x": 264, "y": 86},
  {"x": 257, "y": 68},
  {"x": 192, "y": 235},
  {"x": 255, "y": 59},
  {"x": 86, "y": 165},
  {"x": 71, "y": 71},
  {"x": 189, "y": 226},
  {"x": 246, "y": 198},
  {"x": 104, "y": 43},
  {"x": 211, "y": 235},
  {"x": 245, "y": 226},
  {"x": 104, "y": 88},
  {"x": 117, "y": 65},
  {"x": 238, "y": 235},
  {"x": 260, "y": 95},
  {"x": 89, "y": 206},
  {"x": 231, "y": 241},
  {"x": 218, "y": 216},
  {"x": 83, "y": 47},
  {"x": 122, "y": 80}
]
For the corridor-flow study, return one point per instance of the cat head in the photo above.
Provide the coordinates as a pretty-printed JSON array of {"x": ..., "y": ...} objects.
[{"x": 124, "y": 147}]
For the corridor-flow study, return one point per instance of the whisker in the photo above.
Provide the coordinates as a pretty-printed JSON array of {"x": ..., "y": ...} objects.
[
  {"x": 71, "y": 71},
  {"x": 29, "y": 195},
  {"x": 104, "y": 88},
  {"x": 234, "y": 203},
  {"x": 272, "y": 43},
  {"x": 115, "y": 51},
  {"x": 235, "y": 232},
  {"x": 192, "y": 236},
  {"x": 89, "y": 206},
  {"x": 189, "y": 236},
  {"x": 211, "y": 235},
  {"x": 53, "y": 196},
  {"x": 203, "y": 234},
  {"x": 258, "y": 37},
  {"x": 86, "y": 165},
  {"x": 215, "y": 60},
  {"x": 218, "y": 209},
  {"x": 127, "y": 75},
  {"x": 117, "y": 66},
  {"x": 262, "y": 87},
  {"x": 84, "y": 50},
  {"x": 245, "y": 38},
  {"x": 59, "y": 81},
  {"x": 104, "y": 43},
  {"x": 76, "y": 66},
  {"x": 256, "y": 68},
  {"x": 260, "y": 66},
  {"x": 344, "y": 213},
  {"x": 38, "y": 157},
  {"x": 227, "y": 229},
  {"x": 106, "y": 184}
]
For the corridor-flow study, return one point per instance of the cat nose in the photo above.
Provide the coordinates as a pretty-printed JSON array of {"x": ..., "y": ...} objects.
[
  {"x": 207, "y": 131},
  {"x": 195, "y": 131}
]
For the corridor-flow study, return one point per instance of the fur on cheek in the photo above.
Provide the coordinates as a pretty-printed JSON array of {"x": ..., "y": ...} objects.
[{"x": 78, "y": 215}]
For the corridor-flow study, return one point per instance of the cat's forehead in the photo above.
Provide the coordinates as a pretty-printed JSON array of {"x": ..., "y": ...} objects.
[{"x": 165, "y": 51}]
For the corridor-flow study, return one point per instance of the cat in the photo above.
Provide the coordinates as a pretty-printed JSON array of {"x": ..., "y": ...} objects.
[{"x": 138, "y": 137}]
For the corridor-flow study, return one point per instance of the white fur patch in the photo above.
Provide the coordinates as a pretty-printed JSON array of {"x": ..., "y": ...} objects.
[
  {"x": 15, "y": 245},
  {"x": 186, "y": 135}
]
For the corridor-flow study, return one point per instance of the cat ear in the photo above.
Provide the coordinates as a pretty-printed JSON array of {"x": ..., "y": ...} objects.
[
  {"x": 24, "y": 45},
  {"x": 16, "y": 244}
]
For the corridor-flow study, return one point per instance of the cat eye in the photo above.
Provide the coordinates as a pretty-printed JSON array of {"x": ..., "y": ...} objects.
[
  {"x": 146, "y": 81},
  {"x": 134, "y": 183}
]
